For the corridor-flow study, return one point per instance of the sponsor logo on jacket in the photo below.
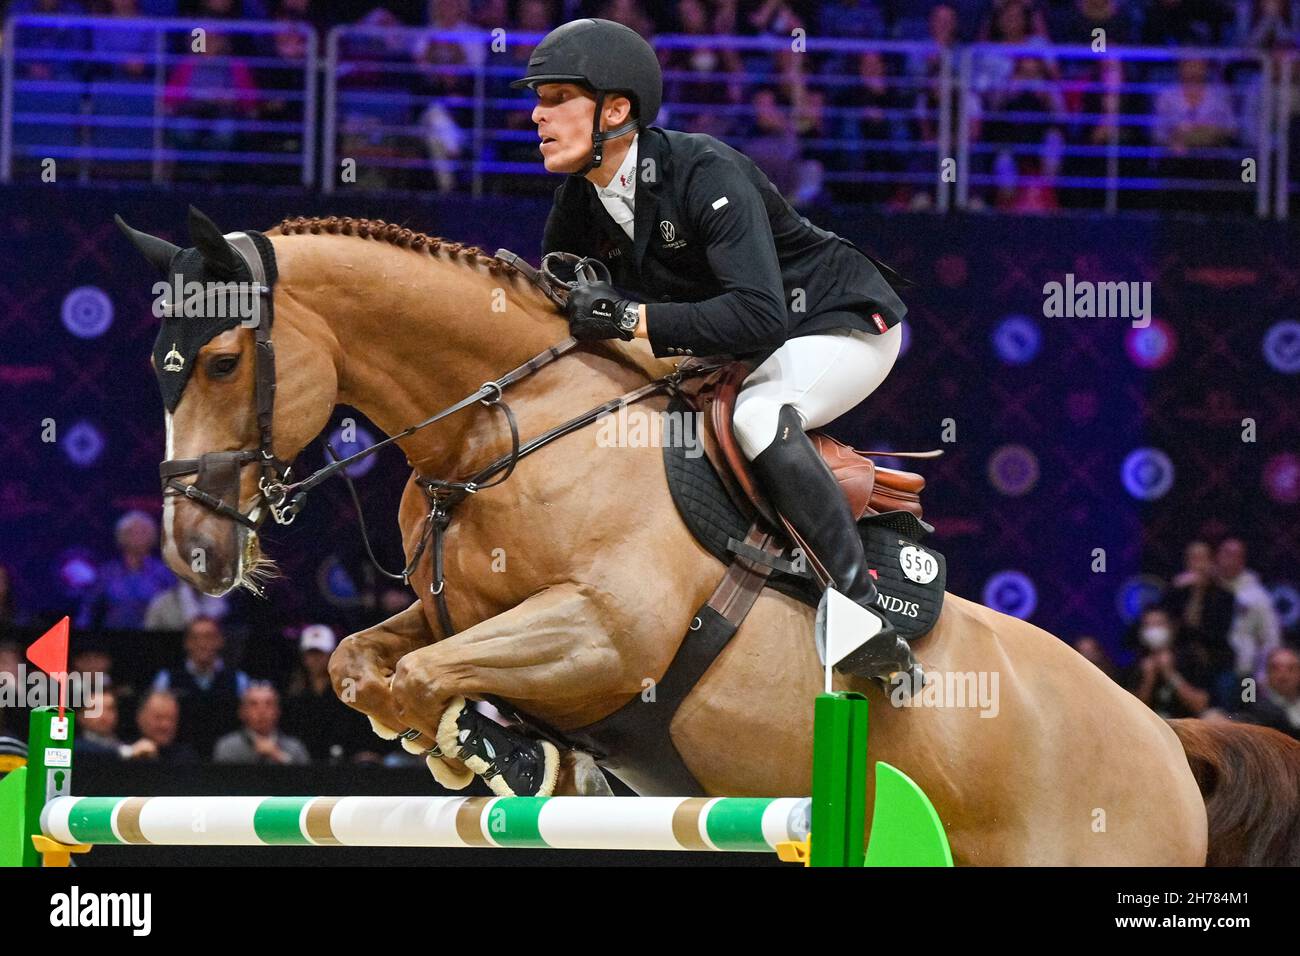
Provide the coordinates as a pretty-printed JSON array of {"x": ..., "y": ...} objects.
[{"x": 668, "y": 232}]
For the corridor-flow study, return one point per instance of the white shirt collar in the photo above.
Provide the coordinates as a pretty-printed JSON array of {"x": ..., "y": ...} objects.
[
  {"x": 619, "y": 197},
  {"x": 623, "y": 185}
]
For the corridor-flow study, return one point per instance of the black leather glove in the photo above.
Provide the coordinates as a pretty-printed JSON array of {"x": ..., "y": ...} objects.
[{"x": 596, "y": 311}]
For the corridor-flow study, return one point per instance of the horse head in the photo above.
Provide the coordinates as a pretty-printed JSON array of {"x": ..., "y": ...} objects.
[{"x": 240, "y": 403}]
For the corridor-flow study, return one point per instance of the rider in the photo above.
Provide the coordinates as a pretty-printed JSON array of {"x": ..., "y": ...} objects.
[{"x": 715, "y": 261}]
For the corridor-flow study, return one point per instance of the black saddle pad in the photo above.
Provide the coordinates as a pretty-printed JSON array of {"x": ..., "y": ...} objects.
[{"x": 910, "y": 577}]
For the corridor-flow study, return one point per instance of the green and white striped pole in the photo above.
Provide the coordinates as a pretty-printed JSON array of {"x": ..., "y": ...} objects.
[
  {"x": 906, "y": 830},
  {"x": 578, "y": 823}
]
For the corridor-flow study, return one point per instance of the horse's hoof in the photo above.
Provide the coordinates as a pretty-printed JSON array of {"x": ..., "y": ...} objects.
[
  {"x": 550, "y": 774},
  {"x": 418, "y": 746},
  {"x": 447, "y": 775},
  {"x": 382, "y": 730}
]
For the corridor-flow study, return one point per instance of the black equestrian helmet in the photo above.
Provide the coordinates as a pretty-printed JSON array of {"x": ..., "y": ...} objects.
[{"x": 603, "y": 56}]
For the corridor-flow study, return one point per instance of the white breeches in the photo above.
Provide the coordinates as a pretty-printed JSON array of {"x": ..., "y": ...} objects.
[{"x": 822, "y": 376}]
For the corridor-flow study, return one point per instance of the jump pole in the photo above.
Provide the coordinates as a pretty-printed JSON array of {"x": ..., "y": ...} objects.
[{"x": 41, "y": 824}]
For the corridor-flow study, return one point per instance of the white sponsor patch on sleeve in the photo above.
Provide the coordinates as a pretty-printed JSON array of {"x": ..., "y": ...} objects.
[{"x": 719, "y": 203}]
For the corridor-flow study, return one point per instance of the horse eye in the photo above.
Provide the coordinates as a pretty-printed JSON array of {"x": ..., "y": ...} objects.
[{"x": 222, "y": 365}]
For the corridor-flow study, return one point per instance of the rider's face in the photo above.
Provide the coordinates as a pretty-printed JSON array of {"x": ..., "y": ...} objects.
[{"x": 563, "y": 116}]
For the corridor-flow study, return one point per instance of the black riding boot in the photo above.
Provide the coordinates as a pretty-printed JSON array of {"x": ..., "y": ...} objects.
[{"x": 801, "y": 486}]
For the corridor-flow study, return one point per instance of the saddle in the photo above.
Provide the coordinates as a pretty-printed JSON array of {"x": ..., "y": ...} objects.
[{"x": 869, "y": 488}]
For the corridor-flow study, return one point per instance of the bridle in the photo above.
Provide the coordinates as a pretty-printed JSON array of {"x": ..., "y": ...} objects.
[{"x": 217, "y": 485}]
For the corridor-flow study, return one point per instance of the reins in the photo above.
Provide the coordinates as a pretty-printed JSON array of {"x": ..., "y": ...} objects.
[{"x": 443, "y": 495}]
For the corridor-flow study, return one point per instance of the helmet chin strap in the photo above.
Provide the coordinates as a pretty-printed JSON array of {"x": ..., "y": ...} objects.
[{"x": 598, "y": 138}]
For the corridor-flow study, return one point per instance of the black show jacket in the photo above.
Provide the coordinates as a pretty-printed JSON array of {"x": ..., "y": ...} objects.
[{"x": 724, "y": 264}]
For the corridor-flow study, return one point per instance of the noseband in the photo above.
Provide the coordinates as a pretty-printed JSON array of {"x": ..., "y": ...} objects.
[{"x": 217, "y": 484}]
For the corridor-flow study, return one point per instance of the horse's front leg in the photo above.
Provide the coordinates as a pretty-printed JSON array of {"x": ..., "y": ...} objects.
[
  {"x": 551, "y": 647},
  {"x": 361, "y": 670}
]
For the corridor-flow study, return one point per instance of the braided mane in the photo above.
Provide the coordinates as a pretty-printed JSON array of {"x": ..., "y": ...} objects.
[{"x": 394, "y": 235}]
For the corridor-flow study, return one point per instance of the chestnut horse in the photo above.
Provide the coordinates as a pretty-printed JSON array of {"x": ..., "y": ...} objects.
[{"x": 573, "y": 582}]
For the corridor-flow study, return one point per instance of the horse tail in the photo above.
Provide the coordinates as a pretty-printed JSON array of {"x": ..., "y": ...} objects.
[{"x": 1250, "y": 779}]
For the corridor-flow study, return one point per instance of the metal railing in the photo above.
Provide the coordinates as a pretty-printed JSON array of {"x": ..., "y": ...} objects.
[
  {"x": 159, "y": 99},
  {"x": 1287, "y": 113},
  {"x": 1063, "y": 118},
  {"x": 460, "y": 121},
  {"x": 906, "y": 124}
]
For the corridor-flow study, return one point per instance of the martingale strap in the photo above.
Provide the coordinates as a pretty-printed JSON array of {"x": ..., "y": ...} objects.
[
  {"x": 635, "y": 741},
  {"x": 440, "y": 519}
]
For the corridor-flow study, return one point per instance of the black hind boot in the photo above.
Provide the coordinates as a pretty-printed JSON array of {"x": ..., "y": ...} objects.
[{"x": 804, "y": 491}]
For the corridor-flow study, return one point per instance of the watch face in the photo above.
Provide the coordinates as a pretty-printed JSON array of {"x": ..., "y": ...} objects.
[{"x": 630, "y": 319}]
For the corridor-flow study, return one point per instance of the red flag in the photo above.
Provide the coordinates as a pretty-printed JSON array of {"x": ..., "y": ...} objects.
[{"x": 50, "y": 654}]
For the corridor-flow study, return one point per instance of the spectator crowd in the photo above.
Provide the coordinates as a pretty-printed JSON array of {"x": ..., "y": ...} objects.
[
  {"x": 203, "y": 707},
  {"x": 1212, "y": 647}
]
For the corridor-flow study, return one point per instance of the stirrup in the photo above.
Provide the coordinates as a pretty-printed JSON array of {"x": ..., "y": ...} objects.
[{"x": 883, "y": 657}]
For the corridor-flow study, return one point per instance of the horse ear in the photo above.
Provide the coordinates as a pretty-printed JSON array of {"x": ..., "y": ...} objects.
[
  {"x": 159, "y": 252},
  {"x": 208, "y": 239}
]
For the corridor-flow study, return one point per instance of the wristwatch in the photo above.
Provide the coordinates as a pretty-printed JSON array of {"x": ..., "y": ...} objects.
[{"x": 630, "y": 318}]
